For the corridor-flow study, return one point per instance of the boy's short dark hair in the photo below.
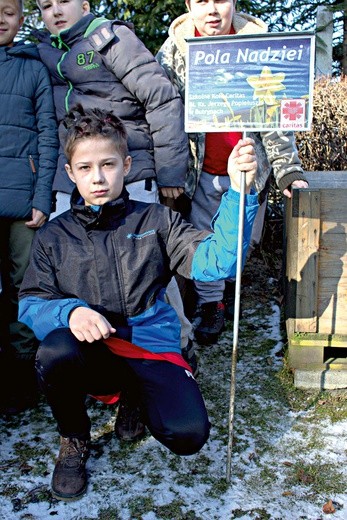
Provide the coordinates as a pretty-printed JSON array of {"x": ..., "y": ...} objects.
[{"x": 92, "y": 122}]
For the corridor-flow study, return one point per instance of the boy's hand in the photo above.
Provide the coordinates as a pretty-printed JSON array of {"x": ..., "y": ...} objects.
[
  {"x": 37, "y": 219},
  {"x": 171, "y": 193},
  {"x": 299, "y": 184},
  {"x": 242, "y": 158},
  {"x": 89, "y": 325}
]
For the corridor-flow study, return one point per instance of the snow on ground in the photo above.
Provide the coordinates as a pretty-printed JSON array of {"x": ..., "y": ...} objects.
[{"x": 287, "y": 462}]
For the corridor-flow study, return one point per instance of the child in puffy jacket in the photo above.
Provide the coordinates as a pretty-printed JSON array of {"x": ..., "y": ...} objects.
[{"x": 28, "y": 158}]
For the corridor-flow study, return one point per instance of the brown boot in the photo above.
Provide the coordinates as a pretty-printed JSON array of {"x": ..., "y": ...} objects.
[
  {"x": 69, "y": 481},
  {"x": 129, "y": 425}
]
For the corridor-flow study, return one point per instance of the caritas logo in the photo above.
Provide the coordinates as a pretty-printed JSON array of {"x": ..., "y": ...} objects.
[{"x": 293, "y": 114}]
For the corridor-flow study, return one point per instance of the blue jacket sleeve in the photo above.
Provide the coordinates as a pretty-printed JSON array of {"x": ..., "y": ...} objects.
[
  {"x": 216, "y": 256},
  {"x": 42, "y": 306},
  {"x": 48, "y": 142},
  {"x": 43, "y": 316}
]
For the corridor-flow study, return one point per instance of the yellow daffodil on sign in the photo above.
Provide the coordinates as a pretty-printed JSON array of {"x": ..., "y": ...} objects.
[
  {"x": 266, "y": 85},
  {"x": 272, "y": 113}
]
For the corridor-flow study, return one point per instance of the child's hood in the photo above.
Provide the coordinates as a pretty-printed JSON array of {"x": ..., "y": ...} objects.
[
  {"x": 24, "y": 50},
  {"x": 82, "y": 28}
]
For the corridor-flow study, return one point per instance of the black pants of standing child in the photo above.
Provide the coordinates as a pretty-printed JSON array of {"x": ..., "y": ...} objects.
[{"x": 69, "y": 370}]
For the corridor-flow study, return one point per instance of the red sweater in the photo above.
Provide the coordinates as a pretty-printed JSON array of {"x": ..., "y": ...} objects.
[{"x": 218, "y": 145}]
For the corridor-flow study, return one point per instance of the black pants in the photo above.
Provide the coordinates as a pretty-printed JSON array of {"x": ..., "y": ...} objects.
[{"x": 69, "y": 370}]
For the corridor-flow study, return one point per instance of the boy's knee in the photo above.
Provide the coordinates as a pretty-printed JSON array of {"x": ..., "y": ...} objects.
[
  {"x": 190, "y": 443},
  {"x": 56, "y": 350},
  {"x": 186, "y": 440}
]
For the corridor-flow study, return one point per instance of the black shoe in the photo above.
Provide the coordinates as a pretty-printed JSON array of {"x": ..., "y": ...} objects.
[
  {"x": 229, "y": 301},
  {"x": 189, "y": 355},
  {"x": 210, "y": 322},
  {"x": 69, "y": 481},
  {"x": 129, "y": 426}
]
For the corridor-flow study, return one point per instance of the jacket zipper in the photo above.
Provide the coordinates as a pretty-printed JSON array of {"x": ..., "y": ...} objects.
[
  {"x": 32, "y": 164},
  {"x": 62, "y": 45}
]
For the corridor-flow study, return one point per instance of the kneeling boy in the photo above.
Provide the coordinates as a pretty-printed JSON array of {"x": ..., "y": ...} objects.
[{"x": 94, "y": 294}]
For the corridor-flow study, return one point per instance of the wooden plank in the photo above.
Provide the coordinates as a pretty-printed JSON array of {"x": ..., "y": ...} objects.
[
  {"x": 318, "y": 339},
  {"x": 332, "y": 286},
  {"x": 307, "y": 263},
  {"x": 290, "y": 259},
  {"x": 338, "y": 226},
  {"x": 333, "y": 203},
  {"x": 332, "y": 292},
  {"x": 339, "y": 364},
  {"x": 332, "y": 305},
  {"x": 326, "y": 325},
  {"x": 327, "y": 179},
  {"x": 333, "y": 250},
  {"x": 332, "y": 263},
  {"x": 333, "y": 241},
  {"x": 326, "y": 282},
  {"x": 334, "y": 244}
]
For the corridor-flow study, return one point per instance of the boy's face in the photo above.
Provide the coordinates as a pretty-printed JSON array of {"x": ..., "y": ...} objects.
[
  {"x": 212, "y": 18},
  {"x": 98, "y": 170},
  {"x": 59, "y": 15},
  {"x": 11, "y": 20}
]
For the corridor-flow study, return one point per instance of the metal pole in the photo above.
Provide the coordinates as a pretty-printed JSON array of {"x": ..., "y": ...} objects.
[{"x": 236, "y": 320}]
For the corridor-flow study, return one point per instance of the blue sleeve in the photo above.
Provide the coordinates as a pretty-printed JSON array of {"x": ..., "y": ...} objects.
[
  {"x": 43, "y": 316},
  {"x": 47, "y": 142},
  {"x": 216, "y": 256}
]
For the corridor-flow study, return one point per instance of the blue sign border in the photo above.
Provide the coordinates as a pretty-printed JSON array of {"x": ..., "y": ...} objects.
[{"x": 250, "y": 83}]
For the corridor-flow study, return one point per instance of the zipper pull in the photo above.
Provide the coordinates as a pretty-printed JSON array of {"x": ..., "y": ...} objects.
[{"x": 32, "y": 164}]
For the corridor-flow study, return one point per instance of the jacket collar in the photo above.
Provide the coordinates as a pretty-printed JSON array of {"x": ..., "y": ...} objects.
[
  {"x": 21, "y": 49},
  {"x": 67, "y": 37},
  {"x": 75, "y": 33},
  {"x": 103, "y": 217}
]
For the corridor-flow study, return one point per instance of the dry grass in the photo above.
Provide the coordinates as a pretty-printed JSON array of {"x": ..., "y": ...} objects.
[{"x": 325, "y": 146}]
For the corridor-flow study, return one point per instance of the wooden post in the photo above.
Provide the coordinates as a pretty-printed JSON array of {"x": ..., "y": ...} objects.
[
  {"x": 302, "y": 236},
  {"x": 324, "y": 42}
]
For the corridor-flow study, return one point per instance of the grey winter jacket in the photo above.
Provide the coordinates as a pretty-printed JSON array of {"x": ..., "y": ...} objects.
[
  {"x": 101, "y": 63},
  {"x": 28, "y": 133},
  {"x": 275, "y": 150}
]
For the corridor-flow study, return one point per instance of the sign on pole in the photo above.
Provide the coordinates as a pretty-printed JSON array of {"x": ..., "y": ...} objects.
[{"x": 250, "y": 83}]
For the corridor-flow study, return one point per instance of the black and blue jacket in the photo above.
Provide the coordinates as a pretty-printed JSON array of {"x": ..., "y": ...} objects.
[
  {"x": 119, "y": 261},
  {"x": 28, "y": 133}
]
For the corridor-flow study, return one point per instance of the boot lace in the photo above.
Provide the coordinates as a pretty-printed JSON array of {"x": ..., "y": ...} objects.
[{"x": 73, "y": 452}]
